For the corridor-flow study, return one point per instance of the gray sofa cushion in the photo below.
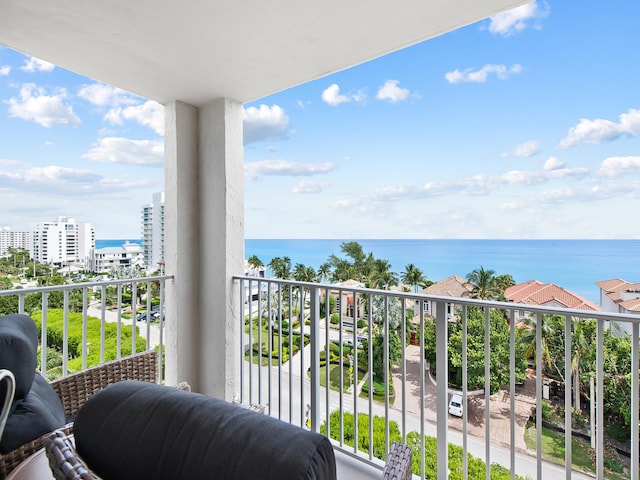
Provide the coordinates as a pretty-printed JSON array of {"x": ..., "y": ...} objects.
[{"x": 133, "y": 430}]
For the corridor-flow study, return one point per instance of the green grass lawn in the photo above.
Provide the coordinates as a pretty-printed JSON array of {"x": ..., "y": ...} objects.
[
  {"x": 264, "y": 339},
  {"x": 581, "y": 452},
  {"x": 334, "y": 376}
]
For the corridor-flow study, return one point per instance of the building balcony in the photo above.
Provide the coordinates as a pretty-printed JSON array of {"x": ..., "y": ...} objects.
[{"x": 391, "y": 371}]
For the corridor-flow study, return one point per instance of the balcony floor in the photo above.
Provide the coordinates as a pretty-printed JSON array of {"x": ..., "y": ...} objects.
[{"x": 350, "y": 468}]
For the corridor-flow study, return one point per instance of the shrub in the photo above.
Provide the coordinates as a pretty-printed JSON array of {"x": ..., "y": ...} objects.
[{"x": 55, "y": 320}]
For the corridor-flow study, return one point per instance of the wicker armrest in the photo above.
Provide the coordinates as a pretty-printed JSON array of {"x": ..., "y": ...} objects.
[
  {"x": 399, "y": 463},
  {"x": 10, "y": 460},
  {"x": 64, "y": 461},
  {"x": 74, "y": 390}
]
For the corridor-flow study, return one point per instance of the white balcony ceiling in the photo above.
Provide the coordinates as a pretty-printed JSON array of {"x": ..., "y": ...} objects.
[{"x": 198, "y": 50}]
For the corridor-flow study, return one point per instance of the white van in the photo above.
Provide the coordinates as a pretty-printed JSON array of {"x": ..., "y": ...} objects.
[{"x": 455, "y": 405}]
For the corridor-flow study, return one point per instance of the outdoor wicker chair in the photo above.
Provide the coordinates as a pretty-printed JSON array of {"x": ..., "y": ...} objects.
[
  {"x": 74, "y": 390},
  {"x": 399, "y": 463}
]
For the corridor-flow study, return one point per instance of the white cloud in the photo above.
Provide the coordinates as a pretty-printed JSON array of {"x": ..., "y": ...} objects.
[
  {"x": 553, "y": 163},
  {"x": 48, "y": 179},
  {"x": 33, "y": 64},
  {"x": 616, "y": 166},
  {"x": 149, "y": 114},
  {"x": 145, "y": 153},
  {"x": 264, "y": 123},
  {"x": 286, "y": 168},
  {"x": 516, "y": 20},
  {"x": 102, "y": 95},
  {"x": 66, "y": 182},
  {"x": 332, "y": 96},
  {"x": 5, "y": 70},
  {"x": 392, "y": 92},
  {"x": 502, "y": 72},
  {"x": 46, "y": 110},
  {"x": 524, "y": 150},
  {"x": 477, "y": 185},
  {"x": 601, "y": 130},
  {"x": 310, "y": 186}
]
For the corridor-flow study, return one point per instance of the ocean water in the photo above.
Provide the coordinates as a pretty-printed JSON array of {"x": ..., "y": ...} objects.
[{"x": 573, "y": 264}]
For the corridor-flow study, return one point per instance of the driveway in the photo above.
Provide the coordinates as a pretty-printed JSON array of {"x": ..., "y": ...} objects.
[{"x": 499, "y": 424}]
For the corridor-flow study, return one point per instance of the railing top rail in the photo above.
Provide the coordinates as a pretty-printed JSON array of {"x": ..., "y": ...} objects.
[
  {"x": 79, "y": 285},
  {"x": 545, "y": 310}
]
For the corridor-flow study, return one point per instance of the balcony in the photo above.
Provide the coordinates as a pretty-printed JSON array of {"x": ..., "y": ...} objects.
[{"x": 282, "y": 365}]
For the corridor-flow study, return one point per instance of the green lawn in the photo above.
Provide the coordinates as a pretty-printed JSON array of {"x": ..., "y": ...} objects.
[
  {"x": 264, "y": 337},
  {"x": 334, "y": 376},
  {"x": 581, "y": 452}
]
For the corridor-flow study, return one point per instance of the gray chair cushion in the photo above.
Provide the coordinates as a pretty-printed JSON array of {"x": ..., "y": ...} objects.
[
  {"x": 18, "y": 348},
  {"x": 133, "y": 430},
  {"x": 39, "y": 412}
]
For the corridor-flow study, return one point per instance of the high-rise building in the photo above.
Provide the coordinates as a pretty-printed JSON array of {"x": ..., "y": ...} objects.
[
  {"x": 10, "y": 239},
  {"x": 152, "y": 224},
  {"x": 63, "y": 242}
]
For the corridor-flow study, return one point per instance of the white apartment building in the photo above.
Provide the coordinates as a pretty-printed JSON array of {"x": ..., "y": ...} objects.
[
  {"x": 63, "y": 242},
  {"x": 126, "y": 256},
  {"x": 10, "y": 239},
  {"x": 152, "y": 225}
]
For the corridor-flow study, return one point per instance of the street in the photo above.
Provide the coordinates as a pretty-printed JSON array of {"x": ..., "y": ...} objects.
[{"x": 525, "y": 462}]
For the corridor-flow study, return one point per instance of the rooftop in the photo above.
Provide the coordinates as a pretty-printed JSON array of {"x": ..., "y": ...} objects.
[{"x": 534, "y": 292}]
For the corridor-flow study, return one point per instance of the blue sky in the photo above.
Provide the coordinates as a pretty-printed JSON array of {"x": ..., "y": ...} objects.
[{"x": 525, "y": 125}]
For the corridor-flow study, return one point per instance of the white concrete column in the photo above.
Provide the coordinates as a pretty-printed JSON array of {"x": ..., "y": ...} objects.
[
  {"x": 204, "y": 244},
  {"x": 182, "y": 244},
  {"x": 221, "y": 202}
]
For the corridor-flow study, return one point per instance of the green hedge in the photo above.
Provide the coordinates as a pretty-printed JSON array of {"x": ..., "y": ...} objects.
[
  {"x": 55, "y": 321},
  {"x": 476, "y": 467}
]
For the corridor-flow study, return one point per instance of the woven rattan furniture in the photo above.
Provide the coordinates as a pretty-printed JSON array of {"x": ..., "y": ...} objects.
[
  {"x": 75, "y": 389},
  {"x": 399, "y": 463}
]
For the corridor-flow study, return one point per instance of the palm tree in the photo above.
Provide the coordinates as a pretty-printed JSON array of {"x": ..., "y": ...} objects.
[
  {"x": 551, "y": 329},
  {"x": 383, "y": 280},
  {"x": 413, "y": 276},
  {"x": 581, "y": 345},
  {"x": 302, "y": 273},
  {"x": 281, "y": 267},
  {"x": 254, "y": 262},
  {"x": 484, "y": 284},
  {"x": 503, "y": 282},
  {"x": 324, "y": 271}
]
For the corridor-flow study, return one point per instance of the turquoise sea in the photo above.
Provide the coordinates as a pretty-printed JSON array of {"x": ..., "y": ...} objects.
[{"x": 573, "y": 264}]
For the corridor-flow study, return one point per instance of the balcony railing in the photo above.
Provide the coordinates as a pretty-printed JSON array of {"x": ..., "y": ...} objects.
[
  {"x": 312, "y": 362},
  {"x": 296, "y": 342},
  {"x": 78, "y": 338}
]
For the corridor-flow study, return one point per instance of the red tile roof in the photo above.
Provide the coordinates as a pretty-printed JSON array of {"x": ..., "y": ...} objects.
[
  {"x": 534, "y": 292},
  {"x": 453, "y": 286},
  {"x": 631, "y": 305},
  {"x": 612, "y": 285},
  {"x": 614, "y": 289}
]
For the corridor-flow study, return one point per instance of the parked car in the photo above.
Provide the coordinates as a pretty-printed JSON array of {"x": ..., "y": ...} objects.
[{"x": 455, "y": 405}]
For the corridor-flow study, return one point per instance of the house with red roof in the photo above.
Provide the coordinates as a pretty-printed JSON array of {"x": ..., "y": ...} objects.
[
  {"x": 620, "y": 296},
  {"x": 535, "y": 292},
  {"x": 453, "y": 286}
]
